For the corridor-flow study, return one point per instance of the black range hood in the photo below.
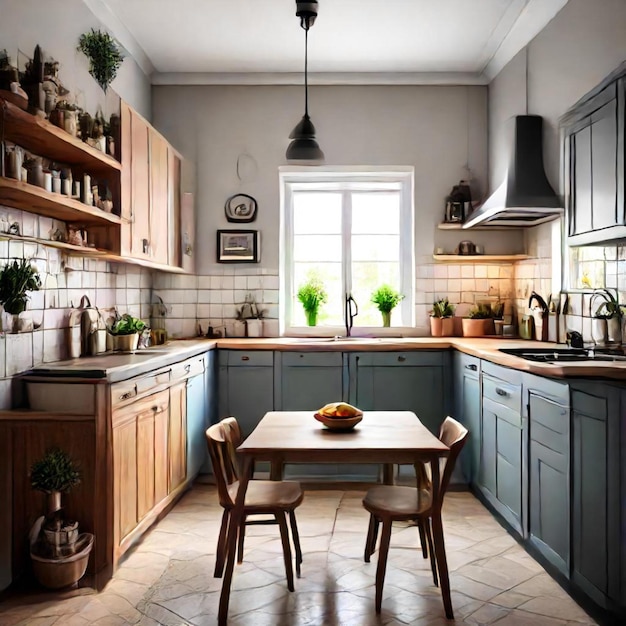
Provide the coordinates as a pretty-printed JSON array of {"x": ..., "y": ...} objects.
[{"x": 525, "y": 198}]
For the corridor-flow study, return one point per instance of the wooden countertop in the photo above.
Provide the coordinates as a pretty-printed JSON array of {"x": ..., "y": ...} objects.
[{"x": 483, "y": 347}]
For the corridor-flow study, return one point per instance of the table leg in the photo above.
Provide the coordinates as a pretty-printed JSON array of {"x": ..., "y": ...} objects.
[
  {"x": 388, "y": 473},
  {"x": 231, "y": 545},
  {"x": 276, "y": 470}
]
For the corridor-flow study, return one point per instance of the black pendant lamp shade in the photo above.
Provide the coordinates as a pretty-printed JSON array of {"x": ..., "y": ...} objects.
[{"x": 304, "y": 147}]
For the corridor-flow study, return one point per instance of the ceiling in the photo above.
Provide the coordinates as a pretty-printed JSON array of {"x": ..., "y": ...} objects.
[{"x": 353, "y": 41}]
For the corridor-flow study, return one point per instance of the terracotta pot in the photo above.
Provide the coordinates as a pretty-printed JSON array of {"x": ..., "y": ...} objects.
[
  {"x": 442, "y": 326},
  {"x": 477, "y": 328}
]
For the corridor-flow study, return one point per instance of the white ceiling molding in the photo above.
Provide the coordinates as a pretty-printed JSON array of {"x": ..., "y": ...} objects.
[
  {"x": 531, "y": 20},
  {"x": 119, "y": 31},
  {"x": 322, "y": 78}
]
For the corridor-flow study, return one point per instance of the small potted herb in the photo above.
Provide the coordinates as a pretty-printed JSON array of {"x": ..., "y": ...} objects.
[
  {"x": 312, "y": 295},
  {"x": 607, "y": 322},
  {"x": 479, "y": 322},
  {"x": 441, "y": 322},
  {"x": 125, "y": 332},
  {"x": 15, "y": 280},
  {"x": 386, "y": 299}
]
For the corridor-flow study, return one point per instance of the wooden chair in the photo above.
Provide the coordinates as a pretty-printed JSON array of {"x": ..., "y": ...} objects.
[
  {"x": 264, "y": 497},
  {"x": 388, "y": 504}
]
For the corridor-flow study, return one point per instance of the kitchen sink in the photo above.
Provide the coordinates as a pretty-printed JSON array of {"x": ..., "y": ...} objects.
[
  {"x": 565, "y": 355},
  {"x": 332, "y": 339}
]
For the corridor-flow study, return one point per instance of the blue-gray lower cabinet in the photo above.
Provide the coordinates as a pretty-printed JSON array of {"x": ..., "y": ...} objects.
[
  {"x": 597, "y": 538},
  {"x": 467, "y": 410},
  {"x": 502, "y": 472},
  {"x": 306, "y": 381},
  {"x": 548, "y": 416},
  {"x": 245, "y": 386}
]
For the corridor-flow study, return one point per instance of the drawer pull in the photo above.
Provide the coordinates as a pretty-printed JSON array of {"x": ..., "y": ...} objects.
[
  {"x": 501, "y": 392},
  {"x": 245, "y": 358},
  {"x": 129, "y": 394},
  {"x": 401, "y": 359},
  {"x": 471, "y": 367},
  {"x": 187, "y": 368}
]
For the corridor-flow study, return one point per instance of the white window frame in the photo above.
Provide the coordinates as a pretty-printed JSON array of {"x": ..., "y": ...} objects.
[{"x": 347, "y": 179}]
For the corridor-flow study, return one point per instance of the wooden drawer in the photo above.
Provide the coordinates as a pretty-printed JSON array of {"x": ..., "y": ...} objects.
[
  {"x": 248, "y": 358},
  {"x": 312, "y": 359},
  {"x": 187, "y": 369},
  {"x": 390, "y": 359},
  {"x": 129, "y": 389},
  {"x": 150, "y": 405},
  {"x": 507, "y": 394}
]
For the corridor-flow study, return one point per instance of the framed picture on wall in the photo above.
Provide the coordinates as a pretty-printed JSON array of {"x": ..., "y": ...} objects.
[
  {"x": 238, "y": 246},
  {"x": 240, "y": 208}
]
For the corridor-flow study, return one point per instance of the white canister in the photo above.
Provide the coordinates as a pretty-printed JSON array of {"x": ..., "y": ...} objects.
[
  {"x": 614, "y": 329},
  {"x": 66, "y": 186},
  {"x": 56, "y": 184},
  {"x": 255, "y": 327},
  {"x": 47, "y": 181}
]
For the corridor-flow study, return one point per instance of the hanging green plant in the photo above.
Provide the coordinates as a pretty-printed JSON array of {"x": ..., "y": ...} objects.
[{"x": 104, "y": 54}]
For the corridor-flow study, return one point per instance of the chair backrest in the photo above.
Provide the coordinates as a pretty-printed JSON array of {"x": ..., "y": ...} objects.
[
  {"x": 222, "y": 440},
  {"x": 454, "y": 435}
]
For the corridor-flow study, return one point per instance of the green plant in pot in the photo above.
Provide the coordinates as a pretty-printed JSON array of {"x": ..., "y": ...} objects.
[
  {"x": 479, "y": 321},
  {"x": 441, "y": 322},
  {"x": 312, "y": 295},
  {"x": 125, "y": 331},
  {"x": 607, "y": 322},
  {"x": 104, "y": 54},
  {"x": 386, "y": 298},
  {"x": 16, "y": 279}
]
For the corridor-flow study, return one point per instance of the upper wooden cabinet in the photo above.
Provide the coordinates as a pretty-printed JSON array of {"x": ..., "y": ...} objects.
[
  {"x": 151, "y": 194},
  {"x": 594, "y": 133}
]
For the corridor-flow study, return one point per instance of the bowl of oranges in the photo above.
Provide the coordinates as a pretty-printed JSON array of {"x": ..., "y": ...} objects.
[{"x": 339, "y": 416}]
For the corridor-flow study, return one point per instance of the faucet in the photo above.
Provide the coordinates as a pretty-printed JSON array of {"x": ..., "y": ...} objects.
[
  {"x": 544, "y": 313},
  {"x": 348, "y": 314}
]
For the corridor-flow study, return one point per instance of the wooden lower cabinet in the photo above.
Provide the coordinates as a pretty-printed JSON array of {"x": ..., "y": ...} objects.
[{"x": 177, "y": 435}]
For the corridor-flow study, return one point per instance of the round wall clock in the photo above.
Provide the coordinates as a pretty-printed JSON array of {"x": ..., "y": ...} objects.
[{"x": 240, "y": 208}]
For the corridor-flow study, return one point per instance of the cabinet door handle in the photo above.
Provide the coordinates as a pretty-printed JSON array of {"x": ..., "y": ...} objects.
[
  {"x": 471, "y": 367},
  {"x": 501, "y": 392},
  {"x": 129, "y": 394},
  {"x": 245, "y": 358},
  {"x": 401, "y": 359}
]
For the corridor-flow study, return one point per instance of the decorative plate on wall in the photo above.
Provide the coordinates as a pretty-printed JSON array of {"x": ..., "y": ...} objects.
[{"x": 240, "y": 208}]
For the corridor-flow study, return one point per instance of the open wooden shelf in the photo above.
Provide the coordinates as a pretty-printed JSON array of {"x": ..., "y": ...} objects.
[
  {"x": 70, "y": 247},
  {"x": 480, "y": 258},
  {"x": 27, "y": 197},
  {"x": 116, "y": 258},
  {"x": 45, "y": 139},
  {"x": 459, "y": 226}
]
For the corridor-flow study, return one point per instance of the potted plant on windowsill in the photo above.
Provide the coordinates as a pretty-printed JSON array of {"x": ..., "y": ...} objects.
[
  {"x": 312, "y": 295},
  {"x": 479, "y": 322},
  {"x": 125, "y": 332},
  {"x": 441, "y": 322},
  {"x": 386, "y": 298},
  {"x": 15, "y": 280}
]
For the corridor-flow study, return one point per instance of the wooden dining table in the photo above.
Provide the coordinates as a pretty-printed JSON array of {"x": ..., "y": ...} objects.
[{"x": 382, "y": 437}]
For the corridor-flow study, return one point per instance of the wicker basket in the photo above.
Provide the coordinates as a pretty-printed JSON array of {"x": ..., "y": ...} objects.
[{"x": 62, "y": 572}]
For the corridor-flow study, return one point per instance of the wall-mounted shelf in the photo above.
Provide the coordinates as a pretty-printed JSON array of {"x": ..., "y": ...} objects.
[
  {"x": 27, "y": 197},
  {"x": 45, "y": 139},
  {"x": 459, "y": 226},
  {"x": 480, "y": 258},
  {"x": 70, "y": 247}
]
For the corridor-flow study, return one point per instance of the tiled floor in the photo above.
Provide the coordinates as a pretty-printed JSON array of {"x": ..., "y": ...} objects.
[{"x": 168, "y": 578}]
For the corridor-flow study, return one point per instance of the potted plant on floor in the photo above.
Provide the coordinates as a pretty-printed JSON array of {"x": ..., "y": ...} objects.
[
  {"x": 312, "y": 295},
  {"x": 386, "y": 298},
  {"x": 441, "y": 322},
  {"x": 58, "y": 553},
  {"x": 125, "y": 332},
  {"x": 16, "y": 279},
  {"x": 479, "y": 322}
]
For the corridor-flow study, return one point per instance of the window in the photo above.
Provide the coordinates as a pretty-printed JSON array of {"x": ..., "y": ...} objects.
[{"x": 354, "y": 230}]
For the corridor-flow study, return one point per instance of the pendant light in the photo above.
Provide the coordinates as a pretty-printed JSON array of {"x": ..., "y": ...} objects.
[{"x": 303, "y": 147}]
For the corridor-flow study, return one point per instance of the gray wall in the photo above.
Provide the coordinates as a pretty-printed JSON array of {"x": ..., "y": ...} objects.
[
  {"x": 56, "y": 26},
  {"x": 429, "y": 127},
  {"x": 583, "y": 43}
]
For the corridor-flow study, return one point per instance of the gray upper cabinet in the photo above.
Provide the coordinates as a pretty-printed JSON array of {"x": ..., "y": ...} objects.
[
  {"x": 467, "y": 411},
  {"x": 593, "y": 155},
  {"x": 548, "y": 416}
]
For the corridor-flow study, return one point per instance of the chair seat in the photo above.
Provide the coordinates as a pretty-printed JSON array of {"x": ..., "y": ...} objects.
[
  {"x": 397, "y": 502},
  {"x": 269, "y": 494}
]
